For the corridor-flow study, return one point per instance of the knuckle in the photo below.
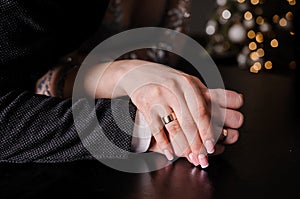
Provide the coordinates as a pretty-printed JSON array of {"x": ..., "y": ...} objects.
[
  {"x": 162, "y": 143},
  {"x": 170, "y": 83},
  {"x": 139, "y": 97},
  {"x": 155, "y": 91},
  {"x": 199, "y": 82},
  {"x": 195, "y": 141},
  {"x": 160, "y": 138},
  {"x": 187, "y": 79},
  {"x": 143, "y": 103},
  {"x": 189, "y": 125},
  {"x": 205, "y": 92},
  {"x": 208, "y": 95},
  {"x": 173, "y": 128},
  {"x": 203, "y": 112}
]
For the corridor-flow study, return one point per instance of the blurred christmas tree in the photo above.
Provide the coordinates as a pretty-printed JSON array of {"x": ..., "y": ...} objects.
[{"x": 254, "y": 32}]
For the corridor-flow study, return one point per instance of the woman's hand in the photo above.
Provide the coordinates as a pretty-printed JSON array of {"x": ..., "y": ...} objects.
[
  {"x": 158, "y": 91},
  {"x": 233, "y": 120}
]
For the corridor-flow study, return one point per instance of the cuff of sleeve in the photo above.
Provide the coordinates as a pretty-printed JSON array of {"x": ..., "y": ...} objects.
[{"x": 141, "y": 136}]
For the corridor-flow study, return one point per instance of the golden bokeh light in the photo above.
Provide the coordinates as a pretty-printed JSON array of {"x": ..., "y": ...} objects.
[
  {"x": 240, "y": 1},
  {"x": 275, "y": 18},
  {"x": 274, "y": 43},
  {"x": 254, "y": 2},
  {"x": 252, "y": 70},
  {"x": 254, "y": 56},
  {"x": 251, "y": 34},
  {"x": 283, "y": 22},
  {"x": 292, "y": 2},
  {"x": 260, "y": 52},
  {"x": 289, "y": 16},
  {"x": 259, "y": 37},
  {"x": 260, "y": 20},
  {"x": 268, "y": 65},
  {"x": 257, "y": 66},
  {"x": 252, "y": 46},
  {"x": 248, "y": 15}
]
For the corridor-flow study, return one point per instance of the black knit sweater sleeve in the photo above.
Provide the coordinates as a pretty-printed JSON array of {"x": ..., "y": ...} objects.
[
  {"x": 34, "y": 34},
  {"x": 35, "y": 128}
]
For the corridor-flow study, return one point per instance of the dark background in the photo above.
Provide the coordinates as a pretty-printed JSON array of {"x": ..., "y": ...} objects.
[{"x": 264, "y": 163}]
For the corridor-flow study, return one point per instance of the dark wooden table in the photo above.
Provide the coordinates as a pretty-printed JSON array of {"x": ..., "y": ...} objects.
[{"x": 263, "y": 164}]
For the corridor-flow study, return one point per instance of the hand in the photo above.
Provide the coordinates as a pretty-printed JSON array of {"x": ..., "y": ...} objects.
[
  {"x": 233, "y": 120},
  {"x": 157, "y": 91},
  {"x": 145, "y": 83}
]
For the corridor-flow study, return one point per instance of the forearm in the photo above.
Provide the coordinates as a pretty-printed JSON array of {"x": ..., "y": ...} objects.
[
  {"x": 36, "y": 128},
  {"x": 110, "y": 80},
  {"x": 99, "y": 81}
]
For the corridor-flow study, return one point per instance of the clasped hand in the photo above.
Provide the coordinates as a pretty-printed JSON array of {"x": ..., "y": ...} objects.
[{"x": 157, "y": 91}]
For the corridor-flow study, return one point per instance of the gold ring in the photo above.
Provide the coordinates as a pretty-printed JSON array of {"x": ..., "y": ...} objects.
[
  {"x": 225, "y": 132},
  {"x": 223, "y": 135},
  {"x": 169, "y": 118}
]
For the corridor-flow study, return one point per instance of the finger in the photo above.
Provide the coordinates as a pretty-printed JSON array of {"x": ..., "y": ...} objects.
[
  {"x": 185, "y": 128},
  {"x": 227, "y": 117},
  {"x": 233, "y": 119},
  {"x": 159, "y": 134},
  {"x": 232, "y": 136},
  {"x": 201, "y": 116},
  {"x": 179, "y": 142},
  {"x": 190, "y": 131},
  {"x": 225, "y": 98},
  {"x": 164, "y": 145},
  {"x": 203, "y": 158},
  {"x": 193, "y": 159},
  {"x": 192, "y": 134}
]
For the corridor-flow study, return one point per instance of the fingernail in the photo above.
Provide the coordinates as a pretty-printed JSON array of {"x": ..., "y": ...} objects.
[
  {"x": 203, "y": 161},
  {"x": 168, "y": 154},
  {"x": 209, "y": 145},
  {"x": 191, "y": 156}
]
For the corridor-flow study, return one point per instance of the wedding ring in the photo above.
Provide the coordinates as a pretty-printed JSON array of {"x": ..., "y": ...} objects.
[
  {"x": 223, "y": 135},
  {"x": 225, "y": 132},
  {"x": 169, "y": 118}
]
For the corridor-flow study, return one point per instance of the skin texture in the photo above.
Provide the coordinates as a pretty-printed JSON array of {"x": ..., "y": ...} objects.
[{"x": 157, "y": 91}]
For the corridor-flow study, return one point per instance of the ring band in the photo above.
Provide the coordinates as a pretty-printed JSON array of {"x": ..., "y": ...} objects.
[
  {"x": 225, "y": 132},
  {"x": 169, "y": 118},
  {"x": 223, "y": 135}
]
